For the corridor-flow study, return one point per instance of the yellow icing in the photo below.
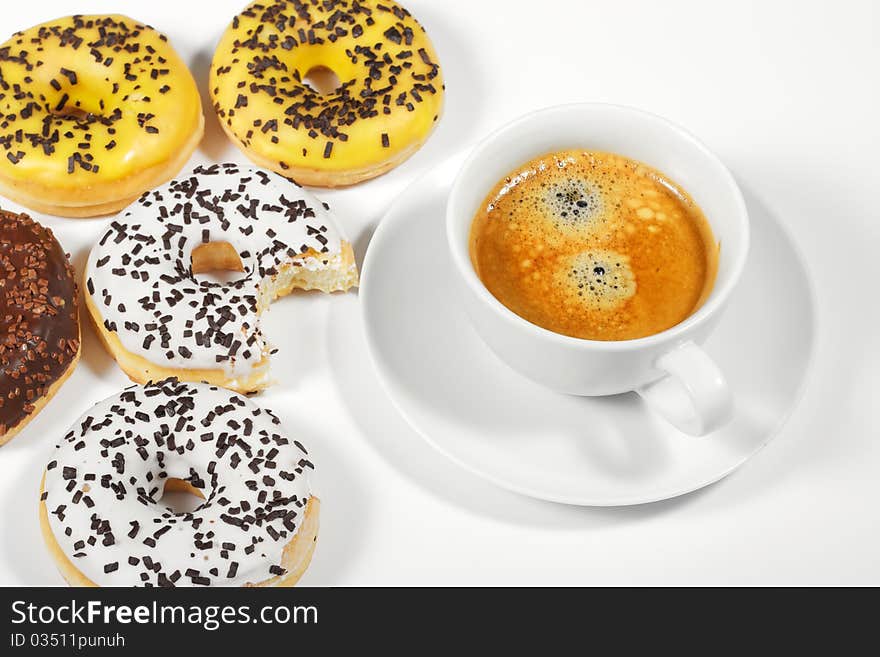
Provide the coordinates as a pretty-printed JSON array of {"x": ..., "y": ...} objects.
[
  {"x": 263, "y": 57},
  {"x": 114, "y": 69}
]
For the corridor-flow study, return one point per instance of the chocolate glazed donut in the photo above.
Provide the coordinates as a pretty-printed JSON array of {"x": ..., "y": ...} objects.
[{"x": 39, "y": 320}]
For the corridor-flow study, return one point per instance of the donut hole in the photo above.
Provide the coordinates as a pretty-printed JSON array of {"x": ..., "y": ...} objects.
[
  {"x": 68, "y": 108},
  {"x": 74, "y": 114},
  {"x": 181, "y": 496},
  {"x": 216, "y": 262},
  {"x": 322, "y": 80}
]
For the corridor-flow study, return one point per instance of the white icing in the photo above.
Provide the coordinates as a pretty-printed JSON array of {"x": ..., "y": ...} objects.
[
  {"x": 109, "y": 471},
  {"x": 140, "y": 272}
]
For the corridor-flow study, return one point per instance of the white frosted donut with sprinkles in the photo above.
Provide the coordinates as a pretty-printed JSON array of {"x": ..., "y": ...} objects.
[
  {"x": 159, "y": 317},
  {"x": 101, "y": 507}
]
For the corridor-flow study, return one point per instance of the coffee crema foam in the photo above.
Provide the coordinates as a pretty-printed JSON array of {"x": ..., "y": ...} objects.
[{"x": 594, "y": 245}]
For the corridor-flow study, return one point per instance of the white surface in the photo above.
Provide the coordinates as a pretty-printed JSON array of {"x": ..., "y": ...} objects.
[
  {"x": 474, "y": 408},
  {"x": 785, "y": 93}
]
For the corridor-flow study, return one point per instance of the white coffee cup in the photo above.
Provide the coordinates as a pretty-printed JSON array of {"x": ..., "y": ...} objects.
[{"x": 670, "y": 370}]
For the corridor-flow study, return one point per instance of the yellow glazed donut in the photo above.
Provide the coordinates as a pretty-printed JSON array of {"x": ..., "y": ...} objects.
[
  {"x": 94, "y": 110},
  {"x": 390, "y": 96}
]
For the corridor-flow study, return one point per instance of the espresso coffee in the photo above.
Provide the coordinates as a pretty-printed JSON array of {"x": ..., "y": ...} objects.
[{"x": 594, "y": 245}]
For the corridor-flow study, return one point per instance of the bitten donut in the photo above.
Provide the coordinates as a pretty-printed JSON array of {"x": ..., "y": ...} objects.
[
  {"x": 101, "y": 510},
  {"x": 94, "y": 110},
  {"x": 159, "y": 318},
  {"x": 389, "y": 99},
  {"x": 39, "y": 320}
]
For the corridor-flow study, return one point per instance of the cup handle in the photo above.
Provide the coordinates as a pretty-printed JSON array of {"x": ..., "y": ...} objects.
[{"x": 693, "y": 396}]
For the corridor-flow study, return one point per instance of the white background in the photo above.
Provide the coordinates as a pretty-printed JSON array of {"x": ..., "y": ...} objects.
[{"x": 787, "y": 93}]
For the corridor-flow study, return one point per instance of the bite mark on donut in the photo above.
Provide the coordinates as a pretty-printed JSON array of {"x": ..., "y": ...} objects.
[{"x": 143, "y": 281}]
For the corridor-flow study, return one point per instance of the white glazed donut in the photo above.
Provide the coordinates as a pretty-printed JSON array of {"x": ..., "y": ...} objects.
[
  {"x": 101, "y": 505},
  {"x": 159, "y": 319}
]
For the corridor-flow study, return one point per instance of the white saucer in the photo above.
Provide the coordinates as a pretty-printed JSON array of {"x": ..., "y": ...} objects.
[{"x": 591, "y": 451}]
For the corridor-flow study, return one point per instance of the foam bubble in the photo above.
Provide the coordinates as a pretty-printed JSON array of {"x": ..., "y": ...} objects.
[
  {"x": 573, "y": 201},
  {"x": 600, "y": 278}
]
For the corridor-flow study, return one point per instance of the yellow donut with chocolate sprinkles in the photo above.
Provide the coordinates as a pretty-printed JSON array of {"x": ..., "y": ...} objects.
[
  {"x": 389, "y": 98},
  {"x": 39, "y": 320},
  {"x": 94, "y": 110}
]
